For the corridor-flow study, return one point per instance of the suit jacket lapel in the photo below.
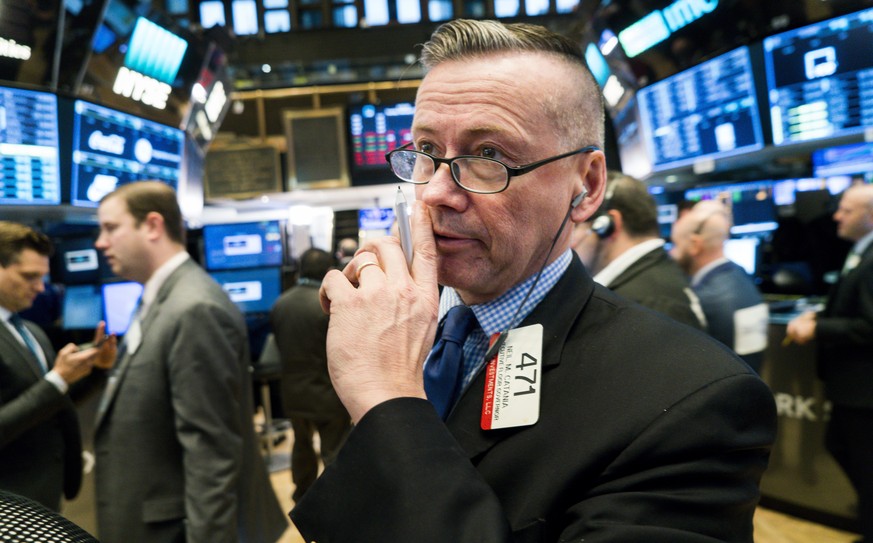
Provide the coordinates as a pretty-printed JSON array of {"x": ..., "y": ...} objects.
[
  {"x": 558, "y": 312},
  {"x": 23, "y": 352},
  {"x": 152, "y": 314}
]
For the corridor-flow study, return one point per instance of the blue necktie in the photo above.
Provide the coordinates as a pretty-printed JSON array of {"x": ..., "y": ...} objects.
[
  {"x": 443, "y": 371},
  {"x": 18, "y": 323}
]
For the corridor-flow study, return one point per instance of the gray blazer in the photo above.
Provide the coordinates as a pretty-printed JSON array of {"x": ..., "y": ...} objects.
[
  {"x": 40, "y": 444},
  {"x": 176, "y": 453}
]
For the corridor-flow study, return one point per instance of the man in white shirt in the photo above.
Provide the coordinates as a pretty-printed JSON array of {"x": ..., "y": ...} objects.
[{"x": 622, "y": 248}]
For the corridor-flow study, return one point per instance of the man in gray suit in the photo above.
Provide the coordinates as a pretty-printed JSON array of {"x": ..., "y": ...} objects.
[
  {"x": 176, "y": 453},
  {"x": 40, "y": 444}
]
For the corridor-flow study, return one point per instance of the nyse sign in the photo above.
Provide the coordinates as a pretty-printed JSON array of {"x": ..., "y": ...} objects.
[
  {"x": 795, "y": 406},
  {"x": 141, "y": 88}
]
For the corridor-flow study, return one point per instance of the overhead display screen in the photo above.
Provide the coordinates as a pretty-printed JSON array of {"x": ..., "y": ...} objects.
[
  {"x": 377, "y": 129},
  {"x": 29, "y": 147},
  {"x": 252, "y": 290},
  {"x": 820, "y": 79},
  {"x": 112, "y": 148},
  {"x": 706, "y": 112}
]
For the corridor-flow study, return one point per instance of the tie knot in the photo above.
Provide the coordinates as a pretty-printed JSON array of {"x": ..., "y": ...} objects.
[{"x": 459, "y": 321}]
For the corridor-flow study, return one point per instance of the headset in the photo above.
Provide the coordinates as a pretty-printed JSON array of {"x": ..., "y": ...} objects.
[{"x": 603, "y": 225}]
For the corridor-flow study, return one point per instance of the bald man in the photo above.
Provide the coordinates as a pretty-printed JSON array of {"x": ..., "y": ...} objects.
[
  {"x": 735, "y": 312},
  {"x": 844, "y": 337}
]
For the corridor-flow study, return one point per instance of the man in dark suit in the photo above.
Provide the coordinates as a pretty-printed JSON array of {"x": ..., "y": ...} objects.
[
  {"x": 40, "y": 443},
  {"x": 174, "y": 438},
  {"x": 735, "y": 312},
  {"x": 843, "y": 332},
  {"x": 623, "y": 249},
  {"x": 300, "y": 329},
  {"x": 598, "y": 420}
]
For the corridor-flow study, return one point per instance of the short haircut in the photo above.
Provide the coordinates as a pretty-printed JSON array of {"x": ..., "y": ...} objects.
[
  {"x": 15, "y": 238},
  {"x": 144, "y": 197},
  {"x": 579, "y": 117},
  {"x": 315, "y": 263},
  {"x": 630, "y": 197}
]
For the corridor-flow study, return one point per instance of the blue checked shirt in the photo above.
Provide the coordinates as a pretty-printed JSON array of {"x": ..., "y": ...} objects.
[{"x": 494, "y": 316}]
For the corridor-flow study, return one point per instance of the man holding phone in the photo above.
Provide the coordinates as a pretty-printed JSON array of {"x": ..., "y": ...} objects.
[{"x": 40, "y": 443}]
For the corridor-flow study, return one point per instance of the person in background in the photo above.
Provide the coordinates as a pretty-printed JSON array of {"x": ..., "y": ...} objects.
[
  {"x": 600, "y": 420},
  {"x": 735, "y": 312},
  {"x": 40, "y": 441},
  {"x": 300, "y": 328},
  {"x": 621, "y": 246},
  {"x": 345, "y": 251},
  {"x": 176, "y": 456},
  {"x": 843, "y": 332}
]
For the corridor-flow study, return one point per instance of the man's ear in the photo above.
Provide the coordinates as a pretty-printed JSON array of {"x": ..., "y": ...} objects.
[
  {"x": 154, "y": 223},
  {"x": 592, "y": 181}
]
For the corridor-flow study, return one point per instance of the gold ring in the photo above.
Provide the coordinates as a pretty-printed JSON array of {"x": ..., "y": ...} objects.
[{"x": 362, "y": 266}]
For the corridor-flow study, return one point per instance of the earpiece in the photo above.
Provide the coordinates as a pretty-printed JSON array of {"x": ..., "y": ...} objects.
[
  {"x": 579, "y": 197},
  {"x": 603, "y": 226}
]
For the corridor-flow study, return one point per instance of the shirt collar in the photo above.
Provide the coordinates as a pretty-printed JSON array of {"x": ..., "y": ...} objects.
[
  {"x": 862, "y": 244},
  {"x": 157, "y": 280},
  {"x": 4, "y": 314},
  {"x": 495, "y": 316},
  {"x": 702, "y": 272},
  {"x": 624, "y": 261}
]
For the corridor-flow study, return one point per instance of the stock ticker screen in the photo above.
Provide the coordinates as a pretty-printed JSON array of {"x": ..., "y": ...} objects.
[
  {"x": 706, "y": 112},
  {"x": 29, "y": 167},
  {"x": 377, "y": 129},
  {"x": 112, "y": 148},
  {"x": 820, "y": 79}
]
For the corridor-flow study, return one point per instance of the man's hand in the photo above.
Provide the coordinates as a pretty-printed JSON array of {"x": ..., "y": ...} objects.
[
  {"x": 382, "y": 319},
  {"x": 801, "y": 329},
  {"x": 108, "y": 347},
  {"x": 73, "y": 363}
]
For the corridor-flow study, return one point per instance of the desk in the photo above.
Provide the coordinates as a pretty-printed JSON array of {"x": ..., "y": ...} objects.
[{"x": 802, "y": 479}]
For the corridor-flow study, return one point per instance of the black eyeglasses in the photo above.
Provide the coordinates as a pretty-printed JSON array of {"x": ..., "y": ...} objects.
[{"x": 477, "y": 174}]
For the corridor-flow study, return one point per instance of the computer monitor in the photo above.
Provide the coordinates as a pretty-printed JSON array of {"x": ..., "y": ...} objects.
[
  {"x": 82, "y": 307},
  {"x": 76, "y": 262},
  {"x": 852, "y": 159},
  {"x": 744, "y": 252},
  {"x": 252, "y": 290},
  {"x": 112, "y": 148},
  {"x": 29, "y": 148},
  {"x": 242, "y": 245},
  {"x": 817, "y": 79},
  {"x": 751, "y": 203},
  {"x": 119, "y": 303},
  {"x": 706, "y": 112}
]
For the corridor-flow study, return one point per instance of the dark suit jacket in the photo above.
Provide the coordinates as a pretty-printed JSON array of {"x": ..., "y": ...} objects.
[
  {"x": 648, "y": 431},
  {"x": 176, "y": 451},
  {"x": 40, "y": 443},
  {"x": 722, "y": 292},
  {"x": 657, "y": 282},
  {"x": 300, "y": 328},
  {"x": 844, "y": 335}
]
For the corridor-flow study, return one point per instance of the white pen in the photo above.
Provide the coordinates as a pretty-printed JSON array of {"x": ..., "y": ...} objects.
[{"x": 403, "y": 225}]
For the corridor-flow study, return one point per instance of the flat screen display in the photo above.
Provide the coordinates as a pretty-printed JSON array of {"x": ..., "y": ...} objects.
[
  {"x": 751, "y": 203},
  {"x": 377, "y": 129},
  {"x": 82, "y": 307},
  {"x": 744, "y": 252},
  {"x": 856, "y": 158},
  {"x": 119, "y": 303},
  {"x": 29, "y": 169},
  {"x": 112, "y": 148},
  {"x": 252, "y": 290},
  {"x": 76, "y": 262},
  {"x": 706, "y": 112},
  {"x": 242, "y": 245},
  {"x": 820, "y": 79}
]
